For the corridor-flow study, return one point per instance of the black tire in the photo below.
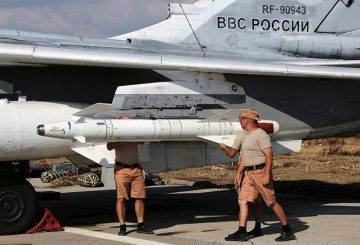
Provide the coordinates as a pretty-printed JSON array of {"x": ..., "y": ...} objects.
[{"x": 18, "y": 205}]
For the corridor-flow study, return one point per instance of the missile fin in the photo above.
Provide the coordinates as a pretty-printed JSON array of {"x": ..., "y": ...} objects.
[
  {"x": 81, "y": 139},
  {"x": 281, "y": 147},
  {"x": 228, "y": 140},
  {"x": 97, "y": 153},
  {"x": 80, "y": 120},
  {"x": 228, "y": 116},
  {"x": 93, "y": 110}
]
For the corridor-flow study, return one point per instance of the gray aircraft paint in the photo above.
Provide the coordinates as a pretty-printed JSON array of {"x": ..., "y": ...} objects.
[
  {"x": 289, "y": 96},
  {"x": 277, "y": 97},
  {"x": 235, "y": 26},
  {"x": 292, "y": 61}
]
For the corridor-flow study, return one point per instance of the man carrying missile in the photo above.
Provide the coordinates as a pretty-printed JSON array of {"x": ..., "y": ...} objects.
[
  {"x": 256, "y": 159},
  {"x": 232, "y": 152},
  {"x": 129, "y": 182}
]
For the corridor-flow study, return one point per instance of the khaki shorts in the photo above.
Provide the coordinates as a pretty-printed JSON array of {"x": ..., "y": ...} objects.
[
  {"x": 251, "y": 188},
  {"x": 130, "y": 181}
]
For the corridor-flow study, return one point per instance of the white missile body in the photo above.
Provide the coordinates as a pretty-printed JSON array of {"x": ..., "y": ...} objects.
[{"x": 145, "y": 130}]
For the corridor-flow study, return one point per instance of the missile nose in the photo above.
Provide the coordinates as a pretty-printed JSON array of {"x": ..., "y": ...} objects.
[{"x": 41, "y": 130}]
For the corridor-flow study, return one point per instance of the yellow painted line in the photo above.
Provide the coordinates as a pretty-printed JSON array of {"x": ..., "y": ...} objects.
[{"x": 111, "y": 237}]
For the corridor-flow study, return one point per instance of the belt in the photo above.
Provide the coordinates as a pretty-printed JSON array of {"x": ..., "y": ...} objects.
[
  {"x": 123, "y": 165},
  {"x": 253, "y": 167}
]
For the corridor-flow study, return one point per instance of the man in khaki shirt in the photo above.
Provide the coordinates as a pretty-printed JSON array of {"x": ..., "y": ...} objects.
[
  {"x": 129, "y": 182},
  {"x": 256, "y": 160},
  {"x": 232, "y": 152}
]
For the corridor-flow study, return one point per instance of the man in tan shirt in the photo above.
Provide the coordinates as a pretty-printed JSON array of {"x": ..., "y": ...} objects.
[
  {"x": 232, "y": 152},
  {"x": 256, "y": 160},
  {"x": 129, "y": 182}
]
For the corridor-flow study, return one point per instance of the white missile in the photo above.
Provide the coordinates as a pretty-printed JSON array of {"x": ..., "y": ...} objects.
[{"x": 215, "y": 129}]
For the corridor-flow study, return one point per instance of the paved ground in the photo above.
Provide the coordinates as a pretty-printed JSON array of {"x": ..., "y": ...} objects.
[{"x": 184, "y": 215}]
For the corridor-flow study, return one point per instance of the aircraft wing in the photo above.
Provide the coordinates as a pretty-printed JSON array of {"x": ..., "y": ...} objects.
[
  {"x": 35, "y": 54},
  {"x": 324, "y": 62}
]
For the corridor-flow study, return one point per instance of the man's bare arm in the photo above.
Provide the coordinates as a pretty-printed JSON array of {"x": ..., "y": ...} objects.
[
  {"x": 239, "y": 171},
  {"x": 268, "y": 165},
  {"x": 241, "y": 167},
  {"x": 230, "y": 152}
]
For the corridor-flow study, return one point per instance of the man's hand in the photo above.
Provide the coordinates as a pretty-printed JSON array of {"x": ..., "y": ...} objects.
[
  {"x": 237, "y": 179},
  {"x": 222, "y": 146},
  {"x": 230, "y": 152},
  {"x": 266, "y": 179}
]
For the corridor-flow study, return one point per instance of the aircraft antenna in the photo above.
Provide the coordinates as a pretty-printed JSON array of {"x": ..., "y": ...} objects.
[{"x": 192, "y": 29}]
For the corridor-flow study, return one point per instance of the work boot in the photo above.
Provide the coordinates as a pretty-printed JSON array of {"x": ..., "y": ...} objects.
[
  {"x": 122, "y": 231},
  {"x": 144, "y": 229},
  {"x": 254, "y": 233},
  {"x": 239, "y": 235},
  {"x": 286, "y": 235}
]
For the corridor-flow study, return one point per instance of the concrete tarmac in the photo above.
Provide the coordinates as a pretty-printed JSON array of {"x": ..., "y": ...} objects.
[{"x": 185, "y": 215}]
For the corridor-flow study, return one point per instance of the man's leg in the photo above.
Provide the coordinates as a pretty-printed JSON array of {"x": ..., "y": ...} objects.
[
  {"x": 256, "y": 231},
  {"x": 121, "y": 213},
  {"x": 247, "y": 193},
  {"x": 279, "y": 212},
  {"x": 140, "y": 209},
  {"x": 240, "y": 234},
  {"x": 287, "y": 233},
  {"x": 268, "y": 195},
  {"x": 258, "y": 212},
  {"x": 139, "y": 194},
  {"x": 122, "y": 185},
  {"x": 121, "y": 210},
  {"x": 244, "y": 213}
]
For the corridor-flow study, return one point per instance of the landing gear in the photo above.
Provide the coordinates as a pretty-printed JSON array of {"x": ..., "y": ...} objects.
[{"x": 18, "y": 204}]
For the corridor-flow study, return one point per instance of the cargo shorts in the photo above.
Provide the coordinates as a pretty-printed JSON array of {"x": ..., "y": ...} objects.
[
  {"x": 252, "y": 187},
  {"x": 129, "y": 183}
]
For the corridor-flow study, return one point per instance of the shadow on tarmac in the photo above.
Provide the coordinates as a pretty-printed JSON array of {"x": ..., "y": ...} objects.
[
  {"x": 168, "y": 206},
  {"x": 319, "y": 189}
]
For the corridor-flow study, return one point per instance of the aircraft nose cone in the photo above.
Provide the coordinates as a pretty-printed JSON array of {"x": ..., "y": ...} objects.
[{"x": 40, "y": 130}]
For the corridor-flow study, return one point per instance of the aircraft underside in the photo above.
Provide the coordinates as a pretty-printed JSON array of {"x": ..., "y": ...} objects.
[
  {"x": 304, "y": 108},
  {"x": 296, "y": 103},
  {"x": 87, "y": 85}
]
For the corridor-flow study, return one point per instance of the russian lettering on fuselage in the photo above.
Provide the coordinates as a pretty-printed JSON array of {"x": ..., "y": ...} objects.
[{"x": 265, "y": 24}]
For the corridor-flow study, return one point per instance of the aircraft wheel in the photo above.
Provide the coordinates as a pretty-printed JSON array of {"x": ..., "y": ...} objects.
[{"x": 18, "y": 205}]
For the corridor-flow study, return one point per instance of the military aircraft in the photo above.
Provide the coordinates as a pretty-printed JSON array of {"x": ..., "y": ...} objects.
[{"x": 294, "y": 61}]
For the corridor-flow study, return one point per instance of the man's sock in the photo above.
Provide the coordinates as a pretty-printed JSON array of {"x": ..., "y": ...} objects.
[
  {"x": 286, "y": 228},
  {"x": 123, "y": 227},
  {"x": 140, "y": 225},
  {"x": 242, "y": 229},
  {"x": 257, "y": 226}
]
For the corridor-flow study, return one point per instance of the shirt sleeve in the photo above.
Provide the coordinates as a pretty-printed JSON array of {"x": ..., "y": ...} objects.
[
  {"x": 264, "y": 141},
  {"x": 238, "y": 141}
]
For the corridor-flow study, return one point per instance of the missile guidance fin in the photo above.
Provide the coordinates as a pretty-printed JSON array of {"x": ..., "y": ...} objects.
[
  {"x": 281, "y": 147},
  {"x": 229, "y": 116},
  {"x": 97, "y": 153},
  {"x": 81, "y": 139},
  {"x": 228, "y": 140},
  {"x": 80, "y": 120},
  {"x": 93, "y": 110}
]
